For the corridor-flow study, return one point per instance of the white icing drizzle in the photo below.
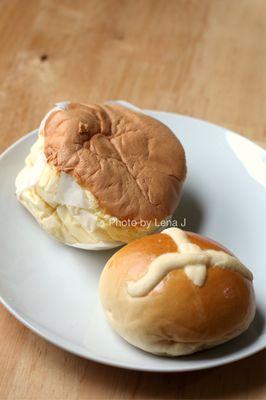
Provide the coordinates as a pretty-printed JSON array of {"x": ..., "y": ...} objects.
[{"x": 191, "y": 257}]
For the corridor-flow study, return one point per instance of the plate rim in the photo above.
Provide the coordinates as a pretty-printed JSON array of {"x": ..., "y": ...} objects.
[{"x": 52, "y": 338}]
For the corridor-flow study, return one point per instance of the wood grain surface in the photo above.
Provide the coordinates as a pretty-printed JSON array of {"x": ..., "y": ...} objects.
[{"x": 205, "y": 58}]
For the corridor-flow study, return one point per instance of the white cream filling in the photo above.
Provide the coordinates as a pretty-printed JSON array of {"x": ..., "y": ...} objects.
[
  {"x": 191, "y": 257},
  {"x": 69, "y": 193},
  {"x": 30, "y": 175}
]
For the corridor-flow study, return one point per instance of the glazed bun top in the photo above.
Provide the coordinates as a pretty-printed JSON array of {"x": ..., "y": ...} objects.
[
  {"x": 190, "y": 257},
  {"x": 133, "y": 164}
]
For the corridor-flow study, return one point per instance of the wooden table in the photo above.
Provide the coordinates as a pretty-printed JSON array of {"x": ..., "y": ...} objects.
[{"x": 205, "y": 58}]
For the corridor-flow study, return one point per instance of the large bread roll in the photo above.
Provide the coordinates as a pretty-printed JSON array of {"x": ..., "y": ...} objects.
[{"x": 101, "y": 173}]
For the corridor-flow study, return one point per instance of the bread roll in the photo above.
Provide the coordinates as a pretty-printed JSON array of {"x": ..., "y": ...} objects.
[
  {"x": 175, "y": 293},
  {"x": 101, "y": 173}
]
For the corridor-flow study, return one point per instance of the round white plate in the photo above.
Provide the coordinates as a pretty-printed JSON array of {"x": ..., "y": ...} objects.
[{"x": 53, "y": 289}]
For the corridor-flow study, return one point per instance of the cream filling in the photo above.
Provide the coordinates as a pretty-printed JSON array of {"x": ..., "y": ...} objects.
[
  {"x": 191, "y": 257},
  {"x": 60, "y": 205},
  {"x": 66, "y": 210}
]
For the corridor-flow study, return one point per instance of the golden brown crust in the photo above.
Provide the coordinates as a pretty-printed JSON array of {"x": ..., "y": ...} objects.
[
  {"x": 133, "y": 164},
  {"x": 176, "y": 310}
]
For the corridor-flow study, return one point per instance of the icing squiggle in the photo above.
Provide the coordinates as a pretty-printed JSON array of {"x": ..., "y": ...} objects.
[{"x": 191, "y": 257}]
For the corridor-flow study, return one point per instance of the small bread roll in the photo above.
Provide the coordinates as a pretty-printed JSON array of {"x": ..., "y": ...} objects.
[{"x": 175, "y": 293}]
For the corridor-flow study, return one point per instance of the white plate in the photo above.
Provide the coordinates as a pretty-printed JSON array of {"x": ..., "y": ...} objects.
[{"x": 53, "y": 289}]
